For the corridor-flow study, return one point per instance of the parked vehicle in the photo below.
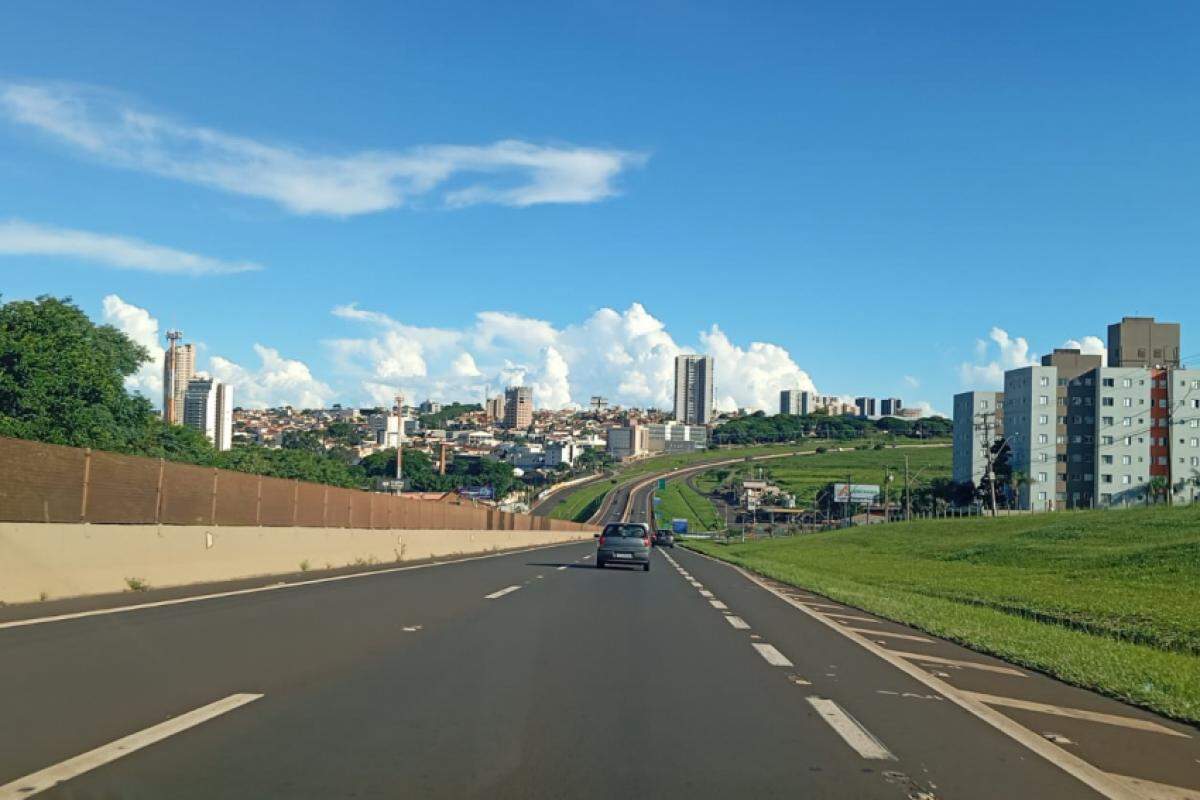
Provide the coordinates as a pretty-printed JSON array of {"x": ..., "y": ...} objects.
[{"x": 624, "y": 543}]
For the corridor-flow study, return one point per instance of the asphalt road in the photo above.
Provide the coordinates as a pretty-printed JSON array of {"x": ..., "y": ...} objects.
[{"x": 523, "y": 675}]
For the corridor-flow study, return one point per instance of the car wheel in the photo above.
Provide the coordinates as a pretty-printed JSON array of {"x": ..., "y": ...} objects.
[
  {"x": 599, "y": 564},
  {"x": 646, "y": 567}
]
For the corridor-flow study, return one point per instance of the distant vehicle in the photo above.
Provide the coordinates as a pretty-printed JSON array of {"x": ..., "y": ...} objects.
[
  {"x": 679, "y": 526},
  {"x": 624, "y": 543},
  {"x": 664, "y": 538}
]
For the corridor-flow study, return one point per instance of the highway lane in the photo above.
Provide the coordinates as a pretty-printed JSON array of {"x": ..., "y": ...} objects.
[{"x": 524, "y": 675}]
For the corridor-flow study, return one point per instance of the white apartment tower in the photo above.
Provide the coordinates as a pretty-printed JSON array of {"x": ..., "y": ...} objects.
[
  {"x": 976, "y": 416},
  {"x": 795, "y": 402},
  {"x": 208, "y": 407},
  {"x": 694, "y": 389}
]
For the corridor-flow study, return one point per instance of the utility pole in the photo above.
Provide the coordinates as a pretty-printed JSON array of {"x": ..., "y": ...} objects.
[
  {"x": 986, "y": 426},
  {"x": 907, "y": 494}
]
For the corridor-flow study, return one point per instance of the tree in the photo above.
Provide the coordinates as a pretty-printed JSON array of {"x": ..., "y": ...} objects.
[
  {"x": 62, "y": 378},
  {"x": 1157, "y": 488},
  {"x": 307, "y": 441}
]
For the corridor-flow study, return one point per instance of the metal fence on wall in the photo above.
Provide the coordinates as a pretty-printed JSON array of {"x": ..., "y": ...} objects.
[{"x": 50, "y": 483}]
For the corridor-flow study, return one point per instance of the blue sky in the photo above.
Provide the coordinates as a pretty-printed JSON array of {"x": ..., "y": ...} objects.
[{"x": 864, "y": 189}]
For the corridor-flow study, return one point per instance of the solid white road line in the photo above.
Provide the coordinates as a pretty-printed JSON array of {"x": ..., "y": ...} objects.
[
  {"x": 1149, "y": 790},
  {"x": 908, "y": 636},
  {"x": 98, "y": 612},
  {"x": 1076, "y": 713},
  {"x": 954, "y": 662},
  {"x": 737, "y": 622},
  {"x": 717, "y": 604},
  {"x": 501, "y": 593},
  {"x": 51, "y": 776},
  {"x": 851, "y": 730},
  {"x": 1114, "y": 787},
  {"x": 772, "y": 656}
]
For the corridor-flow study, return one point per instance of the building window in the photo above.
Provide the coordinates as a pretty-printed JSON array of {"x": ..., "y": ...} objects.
[
  {"x": 1162, "y": 461},
  {"x": 1126, "y": 382},
  {"x": 1106, "y": 478},
  {"x": 1194, "y": 442},
  {"x": 1107, "y": 439},
  {"x": 1126, "y": 459},
  {"x": 1106, "y": 459},
  {"x": 1060, "y": 439},
  {"x": 1043, "y": 400},
  {"x": 1106, "y": 498},
  {"x": 1042, "y": 496},
  {"x": 1127, "y": 401},
  {"x": 1108, "y": 421},
  {"x": 1043, "y": 477},
  {"x": 1106, "y": 401},
  {"x": 1043, "y": 381},
  {"x": 1043, "y": 419},
  {"x": 1126, "y": 479},
  {"x": 1127, "y": 422},
  {"x": 1195, "y": 461},
  {"x": 1043, "y": 438},
  {"x": 1107, "y": 382}
]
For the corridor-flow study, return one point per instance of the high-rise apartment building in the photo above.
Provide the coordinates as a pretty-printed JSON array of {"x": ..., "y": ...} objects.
[
  {"x": 494, "y": 408},
  {"x": 978, "y": 422},
  {"x": 795, "y": 402},
  {"x": 890, "y": 406},
  {"x": 693, "y": 389},
  {"x": 179, "y": 366},
  {"x": 866, "y": 407},
  {"x": 518, "y": 407},
  {"x": 1143, "y": 342},
  {"x": 208, "y": 407},
  {"x": 1084, "y": 434}
]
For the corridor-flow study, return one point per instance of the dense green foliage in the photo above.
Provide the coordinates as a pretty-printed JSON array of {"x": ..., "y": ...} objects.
[
  {"x": 1105, "y": 599},
  {"x": 62, "y": 378},
  {"x": 792, "y": 428},
  {"x": 449, "y": 411},
  {"x": 421, "y": 473}
]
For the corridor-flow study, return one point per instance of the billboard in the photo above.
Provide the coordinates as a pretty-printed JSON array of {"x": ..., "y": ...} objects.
[
  {"x": 855, "y": 493},
  {"x": 679, "y": 526}
]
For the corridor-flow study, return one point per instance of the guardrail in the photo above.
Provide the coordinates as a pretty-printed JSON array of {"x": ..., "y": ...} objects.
[{"x": 51, "y": 483}]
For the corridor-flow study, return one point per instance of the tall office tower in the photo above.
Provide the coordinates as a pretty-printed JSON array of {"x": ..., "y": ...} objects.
[
  {"x": 518, "y": 407},
  {"x": 795, "y": 402},
  {"x": 494, "y": 408},
  {"x": 693, "y": 389},
  {"x": 1142, "y": 342},
  {"x": 208, "y": 407},
  {"x": 179, "y": 365},
  {"x": 866, "y": 407},
  {"x": 890, "y": 406},
  {"x": 976, "y": 415}
]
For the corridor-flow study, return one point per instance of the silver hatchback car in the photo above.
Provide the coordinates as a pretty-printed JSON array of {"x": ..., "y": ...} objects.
[{"x": 624, "y": 543}]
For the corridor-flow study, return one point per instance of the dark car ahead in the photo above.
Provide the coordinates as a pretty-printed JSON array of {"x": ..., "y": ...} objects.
[
  {"x": 664, "y": 538},
  {"x": 624, "y": 543}
]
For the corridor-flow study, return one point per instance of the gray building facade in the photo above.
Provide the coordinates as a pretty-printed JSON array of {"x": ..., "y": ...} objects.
[{"x": 970, "y": 408}]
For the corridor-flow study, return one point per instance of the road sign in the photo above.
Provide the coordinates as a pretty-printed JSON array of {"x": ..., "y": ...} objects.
[
  {"x": 855, "y": 493},
  {"x": 662, "y": 483},
  {"x": 657, "y": 500}
]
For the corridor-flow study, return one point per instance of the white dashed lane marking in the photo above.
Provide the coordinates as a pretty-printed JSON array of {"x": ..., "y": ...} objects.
[
  {"x": 737, "y": 622},
  {"x": 717, "y": 604},
  {"x": 501, "y": 593},
  {"x": 851, "y": 730},
  {"x": 771, "y": 655},
  {"x": 51, "y": 776}
]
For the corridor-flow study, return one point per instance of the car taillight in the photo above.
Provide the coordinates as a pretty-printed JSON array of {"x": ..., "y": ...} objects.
[
  {"x": 646, "y": 541},
  {"x": 600, "y": 541}
]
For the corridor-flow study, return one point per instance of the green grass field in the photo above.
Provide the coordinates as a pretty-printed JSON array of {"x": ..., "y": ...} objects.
[
  {"x": 1109, "y": 600},
  {"x": 681, "y": 501},
  {"x": 582, "y": 499},
  {"x": 805, "y": 475}
]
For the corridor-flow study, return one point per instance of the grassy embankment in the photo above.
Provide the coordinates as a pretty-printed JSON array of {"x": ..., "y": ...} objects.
[
  {"x": 681, "y": 501},
  {"x": 1109, "y": 600},
  {"x": 588, "y": 498}
]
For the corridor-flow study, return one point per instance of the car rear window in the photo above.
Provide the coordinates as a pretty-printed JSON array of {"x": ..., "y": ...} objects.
[{"x": 625, "y": 531}]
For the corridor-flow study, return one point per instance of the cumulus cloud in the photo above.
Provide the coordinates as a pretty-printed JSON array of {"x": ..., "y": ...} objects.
[
  {"x": 277, "y": 381},
  {"x": 138, "y": 325},
  {"x": 627, "y": 356},
  {"x": 1091, "y": 345},
  {"x": 1008, "y": 353},
  {"x": 110, "y": 129},
  {"x": 19, "y": 238}
]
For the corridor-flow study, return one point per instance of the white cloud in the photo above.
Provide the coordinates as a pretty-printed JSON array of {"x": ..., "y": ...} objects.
[
  {"x": 1089, "y": 345},
  {"x": 1011, "y": 353},
  {"x": 18, "y": 238},
  {"x": 277, "y": 381},
  {"x": 911, "y": 381},
  {"x": 109, "y": 129},
  {"x": 626, "y": 356},
  {"x": 138, "y": 325},
  {"x": 927, "y": 410}
]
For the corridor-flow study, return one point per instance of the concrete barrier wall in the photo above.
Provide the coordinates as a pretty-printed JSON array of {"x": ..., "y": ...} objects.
[{"x": 58, "y": 560}]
